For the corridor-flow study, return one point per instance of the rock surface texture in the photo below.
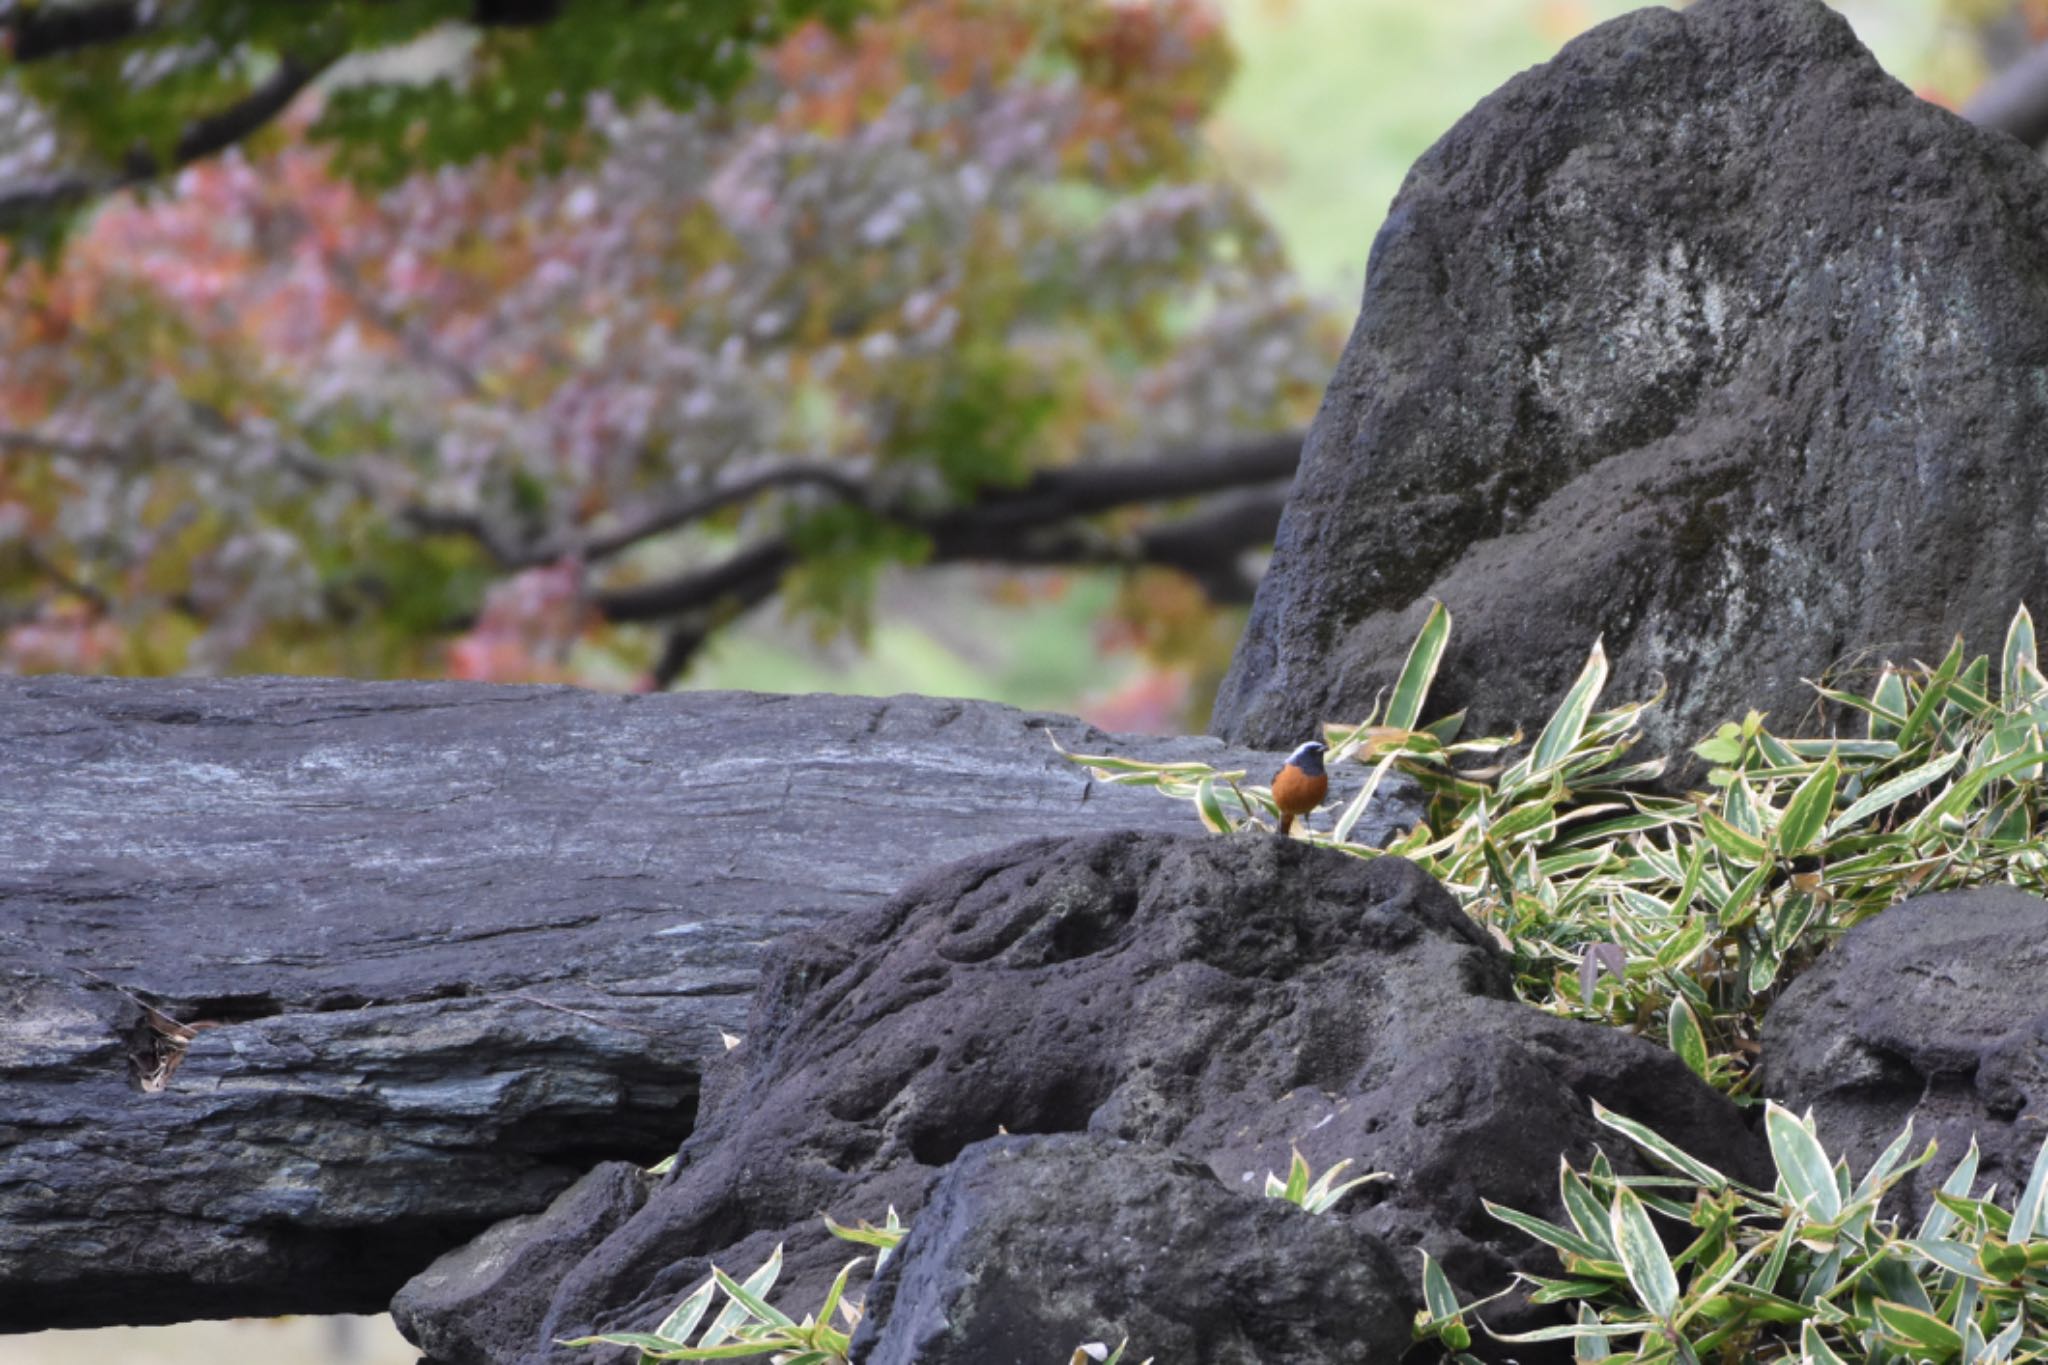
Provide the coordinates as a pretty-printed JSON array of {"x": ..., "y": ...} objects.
[
  {"x": 455, "y": 944},
  {"x": 1708, "y": 337},
  {"x": 1935, "y": 1011},
  {"x": 1212, "y": 1002},
  {"x": 1031, "y": 1244}
]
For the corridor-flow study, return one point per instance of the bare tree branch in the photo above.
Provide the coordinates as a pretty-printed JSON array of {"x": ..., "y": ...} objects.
[
  {"x": 1045, "y": 522},
  {"x": 1042, "y": 524},
  {"x": 1208, "y": 546},
  {"x": 681, "y": 512},
  {"x": 26, "y": 199},
  {"x": 38, "y": 31},
  {"x": 1082, "y": 490},
  {"x": 1015, "y": 527},
  {"x": 738, "y": 578}
]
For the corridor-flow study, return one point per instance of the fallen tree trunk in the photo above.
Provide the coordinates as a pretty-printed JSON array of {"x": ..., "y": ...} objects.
[{"x": 302, "y": 982}]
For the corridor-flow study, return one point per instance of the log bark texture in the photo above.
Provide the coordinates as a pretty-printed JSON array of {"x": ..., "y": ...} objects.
[{"x": 303, "y": 983}]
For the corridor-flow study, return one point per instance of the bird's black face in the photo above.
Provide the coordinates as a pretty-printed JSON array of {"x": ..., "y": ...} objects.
[{"x": 1309, "y": 757}]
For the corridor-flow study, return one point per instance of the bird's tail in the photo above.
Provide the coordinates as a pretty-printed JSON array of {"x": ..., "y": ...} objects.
[{"x": 1286, "y": 823}]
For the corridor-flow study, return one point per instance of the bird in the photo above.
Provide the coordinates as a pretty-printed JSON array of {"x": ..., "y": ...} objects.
[{"x": 1301, "y": 784}]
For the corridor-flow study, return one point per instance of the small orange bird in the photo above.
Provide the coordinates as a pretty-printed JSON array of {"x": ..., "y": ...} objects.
[{"x": 1301, "y": 783}]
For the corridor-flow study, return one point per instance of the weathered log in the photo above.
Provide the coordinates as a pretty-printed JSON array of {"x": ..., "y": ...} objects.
[{"x": 303, "y": 983}]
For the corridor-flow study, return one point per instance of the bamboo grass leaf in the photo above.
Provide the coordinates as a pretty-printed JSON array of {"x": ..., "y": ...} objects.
[
  {"x": 1802, "y": 1163},
  {"x": 1890, "y": 793},
  {"x": 1807, "y": 811},
  {"x": 1642, "y": 1255},
  {"x": 1411, "y": 689},
  {"x": 1919, "y": 1332},
  {"x": 678, "y": 1325},
  {"x": 2030, "y": 1214},
  {"x": 1739, "y": 846},
  {"x": 1661, "y": 1148},
  {"x": 1686, "y": 1039},
  {"x": 1561, "y": 735}
]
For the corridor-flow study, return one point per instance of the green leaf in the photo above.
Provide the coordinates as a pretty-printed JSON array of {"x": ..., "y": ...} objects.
[
  {"x": 1587, "y": 1213},
  {"x": 1446, "y": 730},
  {"x": 1348, "y": 821},
  {"x": 747, "y": 1298},
  {"x": 1939, "y": 1218},
  {"x": 1936, "y": 692},
  {"x": 1808, "y": 809},
  {"x": 1411, "y": 689},
  {"x": 1890, "y": 700},
  {"x": 1919, "y": 1332},
  {"x": 1890, "y": 793},
  {"x": 1210, "y": 807},
  {"x": 1802, "y": 1164},
  {"x": 1561, "y": 735},
  {"x": 1589, "y": 1346},
  {"x": 1548, "y": 1233},
  {"x": 837, "y": 1292},
  {"x": 1661, "y": 1148},
  {"x": 1874, "y": 1178},
  {"x": 1440, "y": 1306},
  {"x": 1683, "y": 946},
  {"x": 1954, "y": 1257},
  {"x": 1741, "y": 906},
  {"x": 1683, "y": 1031},
  {"x": 1642, "y": 1255},
  {"x": 1745, "y": 850},
  {"x": 2030, "y": 1214},
  {"x": 2002, "y": 1261},
  {"x": 678, "y": 1325}
]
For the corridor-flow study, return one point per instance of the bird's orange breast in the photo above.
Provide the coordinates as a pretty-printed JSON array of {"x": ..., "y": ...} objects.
[{"x": 1296, "y": 793}]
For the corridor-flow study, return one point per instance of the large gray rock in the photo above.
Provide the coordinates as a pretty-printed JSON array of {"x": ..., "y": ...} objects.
[
  {"x": 456, "y": 943},
  {"x": 1933, "y": 1011},
  {"x": 1218, "y": 1000},
  {"x": 1031, "y": 1246},
  {"x": 1708, "y": 337}
]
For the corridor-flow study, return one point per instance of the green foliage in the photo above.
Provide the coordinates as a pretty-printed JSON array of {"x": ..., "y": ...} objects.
[
  {"x": 749, "y": 1326},
  {"x": 1807, "y": 1270},
  {"x": 197, "y": 58},
  {"x": 1679, "y": 916},
  {"x": 955, "y": 247},
  {"x": 1321, "y": 1195}
]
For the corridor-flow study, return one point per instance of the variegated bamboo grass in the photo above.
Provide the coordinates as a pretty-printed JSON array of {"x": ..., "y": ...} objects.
[
  {"x": 1681, "y": 915},
  {"x": 1807, "y": 1271}
]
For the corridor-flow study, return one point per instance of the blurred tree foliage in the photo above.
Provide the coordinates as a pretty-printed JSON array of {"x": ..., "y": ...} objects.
[
  {"x": 550, "y": 358},
  {"x": 127, "y": 90}
]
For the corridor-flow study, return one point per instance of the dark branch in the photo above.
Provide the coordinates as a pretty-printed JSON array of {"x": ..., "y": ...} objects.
[
  {"x": 1083, "y": 490},
  {"x": 1031, "y": 527},
  {"x": 737, "y": 579},
  {"x": 51, "y": 30},
  {"x": 1040, "y": 523},
  {"x": 218, "y": 132},
  {"x": 27, "y": 199},
  {"x": 675, "y": 515}
]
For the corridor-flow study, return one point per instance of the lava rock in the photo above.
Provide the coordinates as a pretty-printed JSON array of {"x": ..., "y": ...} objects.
[
  {"x": 438, "y": 947},
  {"x": 1931, "y": 1011},
  {"x": 1219, "y": 1000},
  {"x": 464, "y": 1293},
  {"x": 1030, "y": 1246},
  {"x": 1706, "y": 337}
]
